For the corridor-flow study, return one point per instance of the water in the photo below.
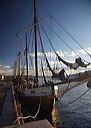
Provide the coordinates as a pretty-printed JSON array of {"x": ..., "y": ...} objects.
[{"x": 77, "y": 114}]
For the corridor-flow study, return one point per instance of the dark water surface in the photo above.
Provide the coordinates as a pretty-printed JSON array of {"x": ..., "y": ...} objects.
[{"x": 77, "y": 114}]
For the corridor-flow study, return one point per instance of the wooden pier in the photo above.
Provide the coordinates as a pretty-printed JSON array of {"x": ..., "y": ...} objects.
[
  {"x": 7, "y": 116},
  {"x": 35, "y": 124}
]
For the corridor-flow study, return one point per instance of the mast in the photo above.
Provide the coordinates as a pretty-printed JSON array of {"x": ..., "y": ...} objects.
[
  {"x": 35, "y": 31},
  {"x": 15, "y": 67},
  {"x": 26, "y": 50},
  {"x": 19, "y": 58}
]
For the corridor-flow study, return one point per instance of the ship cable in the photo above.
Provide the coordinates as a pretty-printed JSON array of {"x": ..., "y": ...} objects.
[
  {"x": 76, "y": 99},
  {"x": 63, "y": 93},
  {"x": 64, "y": 29},
  {"x": 33, "y": 117},
  {"x": 51, "y": 46},
  {"x": 66, "y": 90},
  {"x": 59, "y": 36},
  {"x": 30, "y": 116}
]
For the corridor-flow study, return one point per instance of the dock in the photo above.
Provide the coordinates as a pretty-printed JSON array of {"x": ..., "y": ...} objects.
[
  {"x": 35, "y": 124},
  {"x": 7, "y": 116}
]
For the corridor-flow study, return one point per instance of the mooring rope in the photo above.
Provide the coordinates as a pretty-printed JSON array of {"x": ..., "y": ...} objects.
[
  {"x": 30, "y": 116},
  {"x": 76, "y": 99},
  {"x": 62, "y": 94}
]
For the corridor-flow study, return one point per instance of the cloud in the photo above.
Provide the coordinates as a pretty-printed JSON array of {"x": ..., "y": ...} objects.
[
  {"x": 5, "y": 70},
  {"x": 5, "y": 67},
  {"x": 48, "y": 54},
  {"x": 84, "y": 51},
  {"x": 68, "y": 56},
  {"x": 71, "y": 54}
]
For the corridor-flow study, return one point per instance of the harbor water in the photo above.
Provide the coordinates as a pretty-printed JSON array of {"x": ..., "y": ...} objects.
[{"x": 71, "y": 113}]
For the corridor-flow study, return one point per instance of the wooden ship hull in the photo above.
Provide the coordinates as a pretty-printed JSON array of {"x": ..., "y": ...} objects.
[{"x": 37, "y": 102}]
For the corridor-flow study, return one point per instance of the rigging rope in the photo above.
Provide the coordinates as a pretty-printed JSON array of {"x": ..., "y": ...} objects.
[
  {"x": 20, "y": 49},
  {"x": 44, "y": 56},
  {"x": 30, "y": 116},
  {"x": 59, "y": 38},
  {"x": 63, "y": 42},
  {"x": 62, "y": 94},
  {"x": 54, "y": 49},
  {"x": 76, "y": 99},
  {"x": 60, "y": 59},
  {"x": 71, "y": 36},
  {"x": 65, "y": 91},
  {"x": 64, "y": 29}
]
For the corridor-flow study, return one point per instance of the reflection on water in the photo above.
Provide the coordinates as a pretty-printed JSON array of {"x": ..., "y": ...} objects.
[
  {"x": 77, "y": 114},
  {"x": 56, "y": 118}
]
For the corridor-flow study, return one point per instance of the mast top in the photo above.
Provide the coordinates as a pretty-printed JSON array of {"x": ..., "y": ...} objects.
[{"x": 35, "y": 36}]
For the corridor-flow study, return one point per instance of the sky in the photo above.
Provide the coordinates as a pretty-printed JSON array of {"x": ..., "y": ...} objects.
[{"x": 74, "y": 15}]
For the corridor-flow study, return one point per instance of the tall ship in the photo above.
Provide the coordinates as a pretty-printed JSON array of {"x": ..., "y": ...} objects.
[
  {"x": 35, "y": 93},
  {"x": 35, "y": 97}
]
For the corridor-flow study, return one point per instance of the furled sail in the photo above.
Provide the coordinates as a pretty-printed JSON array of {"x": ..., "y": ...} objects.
[
  {"x": 48, "y": 65},
  {"x": 60, "y": 75},
  {"x": 81, "y": 63},
  {"x": 78, "y": 62}
]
